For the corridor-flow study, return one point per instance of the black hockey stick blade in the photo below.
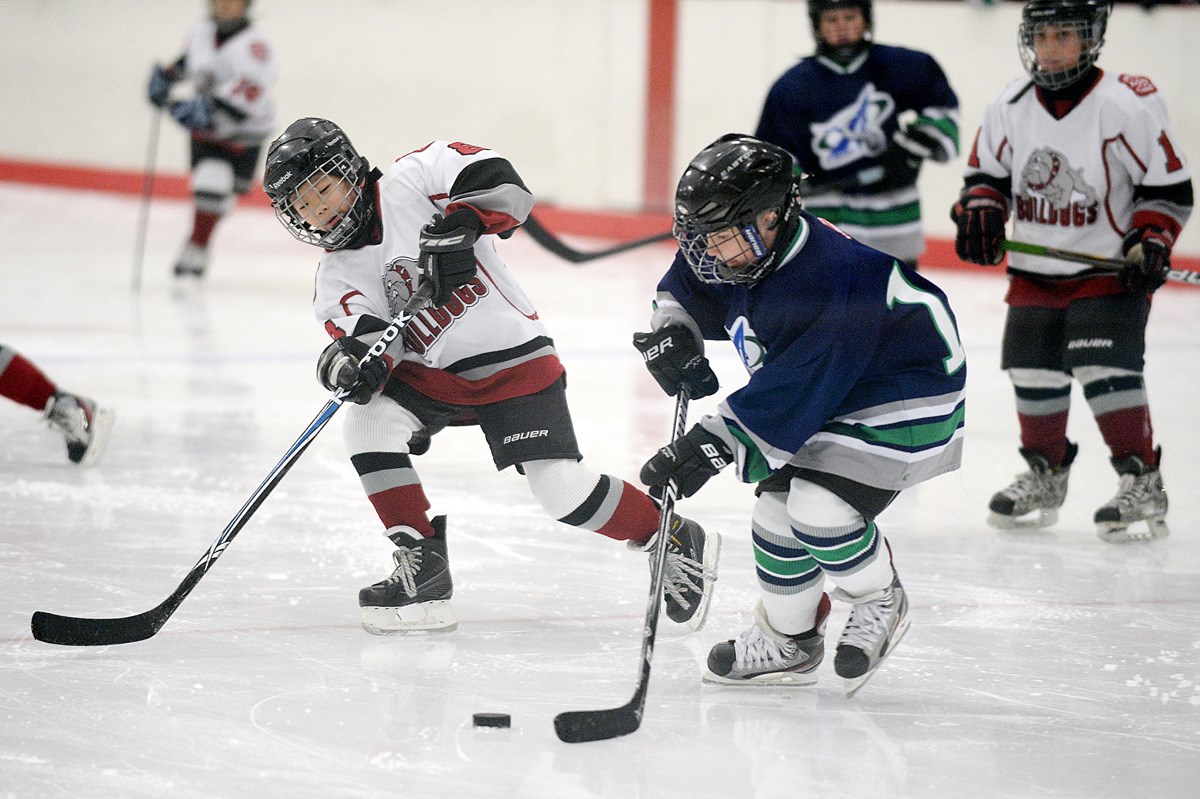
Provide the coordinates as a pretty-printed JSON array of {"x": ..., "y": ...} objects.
[
  {"x": 568, "y": 253},
  {"x": 72, "y": 631},
  {"x": 583, "y": 726}
]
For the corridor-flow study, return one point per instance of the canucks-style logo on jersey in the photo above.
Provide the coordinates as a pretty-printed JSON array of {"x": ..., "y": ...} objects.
[
  {"x": 854, "y": 132},
  {"x": 747, "y": 344}
]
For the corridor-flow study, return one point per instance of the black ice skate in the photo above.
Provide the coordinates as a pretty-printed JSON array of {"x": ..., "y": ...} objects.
[
  {"x": 877, "y": 623},
  {"x": 83, "y": 423},
  {"x": 1140, "y": 497},
  {"x": 1041, "y": 490},
  {"x": 192, "y": 261},
  {"x": 764, "y": 656},
  {"x": 416, "y": 597},
  {"x": 691, "y": 570}
]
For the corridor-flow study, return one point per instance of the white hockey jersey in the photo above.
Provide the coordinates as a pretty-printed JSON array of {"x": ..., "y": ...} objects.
[
  {"x": 239, "y": 76},
  {"x": 1073, "y": 179},
  {"x": 484, "y": 345}
]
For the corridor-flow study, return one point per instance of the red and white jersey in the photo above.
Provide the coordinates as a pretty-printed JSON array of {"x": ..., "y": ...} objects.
[
  {"x": 240, "y": 75},
  {"x": 484, "y": 345},
  {"x": 1073, "y": 179}
]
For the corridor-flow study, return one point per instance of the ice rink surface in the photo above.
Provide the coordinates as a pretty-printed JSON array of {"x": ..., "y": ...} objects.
[{"x": 1039, "y": 664}]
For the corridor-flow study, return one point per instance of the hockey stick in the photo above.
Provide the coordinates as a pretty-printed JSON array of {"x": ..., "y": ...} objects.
[
  {"x": 74, "y": 631},
  {"x": 139, "y": 244},
  {"x": 578, "y": 726},
  {"x": 1107, "y": 264},
  {"x": 567, "y": 253}
]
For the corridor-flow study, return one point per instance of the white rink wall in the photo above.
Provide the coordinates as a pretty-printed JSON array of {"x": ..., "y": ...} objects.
[{"x": 558, "y": 86}]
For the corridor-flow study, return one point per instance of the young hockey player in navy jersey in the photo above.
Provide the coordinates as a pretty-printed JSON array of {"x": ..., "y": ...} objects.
[
  {"x": 232, "y": 110},
  {"x": 1086, "y": 162},
  {"x": 856, "y": 391},
  {"x": 861, "y": 118},
  {"x": 477, "y": 354}
]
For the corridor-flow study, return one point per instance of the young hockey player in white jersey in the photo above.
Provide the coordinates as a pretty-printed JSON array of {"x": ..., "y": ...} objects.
[
  {"x": 232, "y": 70},
  {"x": 861, "y": 118},
  {"x": 83, "y": 422},
  {"x": 478, "y": 354},
  {"x": 1085, "y": 161},
  {"x": 856, "y": 391}
]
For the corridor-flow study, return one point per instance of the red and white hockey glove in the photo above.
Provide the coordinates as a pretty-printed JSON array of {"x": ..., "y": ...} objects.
[
  {"x": 1148, "y": 250},
  {"x": 980, "y": 214}
]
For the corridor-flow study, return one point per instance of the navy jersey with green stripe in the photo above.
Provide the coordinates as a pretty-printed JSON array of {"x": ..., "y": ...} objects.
[{"x": 847, "y": 348}]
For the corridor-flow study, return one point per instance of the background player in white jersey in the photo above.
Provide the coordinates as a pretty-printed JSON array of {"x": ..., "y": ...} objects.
[
  {"x": 1086, "y": 161},
  {"x": 861, "y": 118},
  {"x": 856, "y": 390},
  {"x": 477, "y": 355},
  {"x": 83, "y": 423},
  {"x": 232, "y": 70}
]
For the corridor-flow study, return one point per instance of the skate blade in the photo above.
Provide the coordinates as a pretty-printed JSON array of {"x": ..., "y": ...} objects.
[
  {"x": 426, "y": 617},
  {"x": 1030, "y": 521},
  {"x": 1114, "y": 533},
  {"x": 785, "y": 679},
  {"x": 102, "y": 422},
  {"x": 852, "y": 685}
]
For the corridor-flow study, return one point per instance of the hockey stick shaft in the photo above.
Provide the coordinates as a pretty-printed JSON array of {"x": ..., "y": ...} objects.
[
  {"x": 139, "y": 243},
  {"x": 563, "y": 250},
  {"x": 74, "y": 631},
  {"x": 579, "y": 726},
  {"x": 1107, "y": 264}
]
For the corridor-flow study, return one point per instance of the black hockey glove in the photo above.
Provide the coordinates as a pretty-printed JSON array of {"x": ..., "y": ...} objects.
[
  {"x": 674, "y": 360},
  {"x": 980, "y": 214},
  {"x": 193, "y": 114},
  {"x": 920, "y": 144},
  {"x": 448, "y": 252},
  {"x": 688, "y": 461},
  {"x": 1148, "y": 251},
  {"x": 338, "y": 368},
  {"x": 900, "y": 168},
  {"x": 159, "y": 86}
]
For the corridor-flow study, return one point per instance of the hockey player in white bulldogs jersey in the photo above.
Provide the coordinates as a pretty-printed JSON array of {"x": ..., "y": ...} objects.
[
  {"x": 476, "y": 354},
  {"x": 231, "y": 69},
  {"x": 1082, "y": 160}
]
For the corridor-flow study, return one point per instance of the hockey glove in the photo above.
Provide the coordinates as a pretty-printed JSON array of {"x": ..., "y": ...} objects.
[
  {"x": 193, "y": 114},
  {"x": 688, "y": 461},
  {"x": 900, "y": 168},
  {"x": 338, "y": 368},
  {"x": 674, "y": 360},
  {"x": 1148, "y": 251},
  {"x": 448, "y": 252},
  {"x": 980, "y": 214},
  {"x": 159, "y": 86},
  {"x": 920, "y": 144}
]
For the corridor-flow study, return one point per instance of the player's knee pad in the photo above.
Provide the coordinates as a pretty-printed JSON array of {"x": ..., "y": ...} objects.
[
  {"x": 1039, "y": 378},
  {"x": 212, "y": 185},
  {"x": 381, "y": 425},
  {"x": 770, "y": 515},
  {"x": 561, "y": 486},
  {"x": 815, "y": 510}
]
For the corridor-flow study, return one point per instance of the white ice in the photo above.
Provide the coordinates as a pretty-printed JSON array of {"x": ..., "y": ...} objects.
[{"x": 1039, "y": 664}]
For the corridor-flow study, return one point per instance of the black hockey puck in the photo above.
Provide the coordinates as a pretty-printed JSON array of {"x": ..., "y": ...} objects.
[{"x": 491, "y": 720}]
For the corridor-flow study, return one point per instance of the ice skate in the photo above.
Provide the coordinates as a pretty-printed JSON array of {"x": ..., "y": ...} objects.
[
  {"x": 192, "y": 261},
  {"x": 877, "y": 623},
  {"x": 1041, "y": 491},
  {"x": 83, "y": 423},
  {"x": 1140, "y": 497},
  {"x": 691, "y": 570},
  {"x": 764, "y": 656},
  {"x": 416, "y": 597}
]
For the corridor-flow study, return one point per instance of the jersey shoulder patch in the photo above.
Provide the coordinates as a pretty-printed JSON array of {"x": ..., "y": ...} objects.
[{"x": 1139, "y": 84}]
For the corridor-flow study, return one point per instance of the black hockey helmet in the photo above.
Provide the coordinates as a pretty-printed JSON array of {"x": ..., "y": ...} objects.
[
  {"x": 308, "y": 151},
  {"x": 729, "y": 185},
  {"x": 1089, "y": 18},
  {"x": 842, "y": 54}
]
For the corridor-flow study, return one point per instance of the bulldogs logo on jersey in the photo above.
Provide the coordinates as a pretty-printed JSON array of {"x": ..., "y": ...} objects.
[
  {"x": 1054, "y": 193},
  {"x": 854, "y": 132}
]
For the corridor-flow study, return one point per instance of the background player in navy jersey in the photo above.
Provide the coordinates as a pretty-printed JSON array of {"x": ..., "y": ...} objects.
[
  {"x": 477, "y": 355},
  {"x": 861, "y": 118},
  {"x": 1087, "y": 163},
  {"x": 855, "y": 391},
  {"x": 231, "y": 68}
]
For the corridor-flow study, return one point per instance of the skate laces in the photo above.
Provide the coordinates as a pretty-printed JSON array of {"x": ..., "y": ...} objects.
[
  {"x": 683, "y": 575},
  {"x": 755, "y": 648},
  {"x": 408, "y": 563},
  {"x": 869, "y": 618},
  {"x": 1132, "y": 491}
]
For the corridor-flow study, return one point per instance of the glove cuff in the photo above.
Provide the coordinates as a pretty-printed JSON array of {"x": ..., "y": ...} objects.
[{"x": 983, "y": 196}]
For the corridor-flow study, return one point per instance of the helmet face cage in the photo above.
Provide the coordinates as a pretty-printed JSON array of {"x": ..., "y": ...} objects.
[
  {"x": 1087, "y": 18},
  {"x": 721, "y": 196},
  {"x": 310, "y": 165},
  {"x": 844, "y": 53}
]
